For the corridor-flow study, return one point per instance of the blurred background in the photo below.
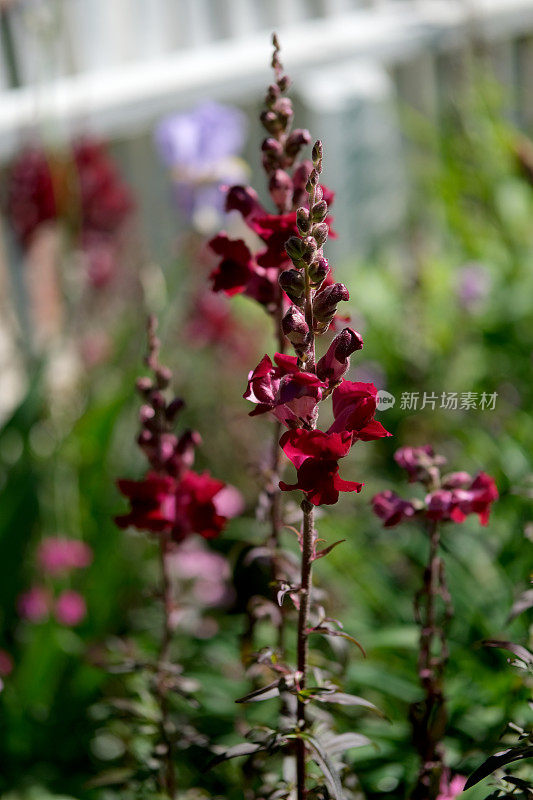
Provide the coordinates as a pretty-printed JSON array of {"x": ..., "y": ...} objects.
[{"x": 120, "y": 122}]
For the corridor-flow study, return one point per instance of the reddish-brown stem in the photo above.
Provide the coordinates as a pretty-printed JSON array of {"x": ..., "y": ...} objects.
[
  {"x": 168, "y": 781},
  {"x": 429, "y": 722},
  {"x": 308, "y": 539}
]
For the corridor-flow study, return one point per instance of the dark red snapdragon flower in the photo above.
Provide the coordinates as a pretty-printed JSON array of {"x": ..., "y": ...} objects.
[
  {"x": 315, "y": 455},
  {"x": 456, "y": 504},
  {"x": 451, "y": 498},
  {"x": 172, "y": 499},
  {"x": 391, "y": 508},
  {"x": 82, "y": 189},
  {"x": 354, "y": 406},
  {"x": 161, "y": 504},
  {"x": 288, "y": 392}
]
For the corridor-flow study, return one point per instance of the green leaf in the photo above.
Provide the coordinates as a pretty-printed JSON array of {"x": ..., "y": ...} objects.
[
  {"x": 345, "y": 741},
  {"x": 516, "y": 649},
  {"x": 342, "y": 634},
  {"x": 242, "y": 749},
  {"x": 348, "y": 700},
  {"x": 497, "y": 761},
  {"x": 322, "y": 758},
  {"x": 266, "y": 693}
]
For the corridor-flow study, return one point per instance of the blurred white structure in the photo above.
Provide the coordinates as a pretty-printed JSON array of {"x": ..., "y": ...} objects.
[{"x": 116, "y": 66}]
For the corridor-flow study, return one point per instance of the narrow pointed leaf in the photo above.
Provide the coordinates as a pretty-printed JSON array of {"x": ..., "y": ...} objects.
[
  {"x": 348, "y": 700},
  {"x": 242, "y": 749},
  {"x": 266, "y": 693},
  {"x": 345, "y": 741},
  {"x": 322, "y": 759},
  {"x": 326, "y": 550},
  {"x": 516, "y": 649},
  {"x": 497, "y": 761}
]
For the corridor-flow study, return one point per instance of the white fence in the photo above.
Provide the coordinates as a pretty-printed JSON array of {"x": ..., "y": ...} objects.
[{"x": 116, "y": 66}]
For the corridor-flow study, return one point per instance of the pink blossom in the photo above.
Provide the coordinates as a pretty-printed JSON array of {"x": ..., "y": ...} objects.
[
  {"x": 70, "y": 608},
  {"x": 34, "y": 605},
  {"x": 450, "y": 789},
  {"x": 58, "y": 555}
]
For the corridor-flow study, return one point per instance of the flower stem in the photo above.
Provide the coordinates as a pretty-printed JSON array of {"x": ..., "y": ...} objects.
[
  {"x": 429, "y": 723},
  {"x": 308, "y": 540},
  {"x": 167, "y": 779}
]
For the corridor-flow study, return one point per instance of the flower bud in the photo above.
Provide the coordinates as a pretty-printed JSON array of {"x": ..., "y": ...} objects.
[
  {"x": 325, "y": 305},
  {"x": 146, "y": 413},
  {"x": 273, "y": 93},
  {"x": 272, "y": 149},
  {"x": 144, "y": 385},
  {"x": 309, "y": 249},
  {"x": 294, "y": 248},
  {"x": 320, "y": 233},
  {"x": 295, "y": 328},
  {"x": 284, "y": 82},
  {"x": 334, "y": 364},
  {"x": 318, "y": 271},
  {"x": 280, "y": 188},
  {"x": 284, "y": 110},
  {"x": 319, "y": 211},
  {"x": 319, "y": 193},
  {"x": 296, "y": 140},
  {"x": 163, "y": 377},
  {"x": 293, "y": 284},
  {"x": 312, "y": 180},
  {"x": 271, "y": 122},
  {"x": 174, "y": 408},
  {"x": 302, "y": 219},
  {"x": 316, "y": 155}
]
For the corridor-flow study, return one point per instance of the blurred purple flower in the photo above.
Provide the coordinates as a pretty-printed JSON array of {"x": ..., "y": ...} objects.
[
  {"x": 56, "y": 555},
  {"x": 200, "y": 147},
  {"x": 474, "y": 285},
  {"x": 70, "y": 608},
  {"x": 34, "y": 605}
]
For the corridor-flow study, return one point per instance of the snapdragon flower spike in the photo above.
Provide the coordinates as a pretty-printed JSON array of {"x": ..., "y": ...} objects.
[
  {"x": 315, "y": 455},
  {"x": 456, "y": 504},
  {"x": 285, "y": 390},
  {"x": 171, "y": 499},
  {"x": 451, "y": 498},
  {"x": 256, "y": 274}
]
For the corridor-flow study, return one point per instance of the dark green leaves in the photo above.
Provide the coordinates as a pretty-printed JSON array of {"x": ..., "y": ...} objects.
[{"x": 498, "y": 761}]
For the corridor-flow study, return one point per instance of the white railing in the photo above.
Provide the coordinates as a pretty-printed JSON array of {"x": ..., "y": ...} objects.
[{"x": 116, "y": 66}]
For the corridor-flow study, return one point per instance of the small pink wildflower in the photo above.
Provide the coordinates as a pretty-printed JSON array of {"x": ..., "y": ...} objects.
[
  {"x": 58, "y": 555},
  {"x": 70, "y": 608},
  {"x": 34, "y": 605}
]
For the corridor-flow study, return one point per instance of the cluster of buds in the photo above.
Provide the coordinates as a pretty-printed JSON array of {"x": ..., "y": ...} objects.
[
  {"x": 172, "y": 499},
  {"x": 165, "y": 452},
  {"x": 449, "y": 498},
  {"x": 282, "y": 147},
  {"x": 256, "y": 274},
  {"x": 293, "y": 388},
  {"x": 308, "y": 284}
]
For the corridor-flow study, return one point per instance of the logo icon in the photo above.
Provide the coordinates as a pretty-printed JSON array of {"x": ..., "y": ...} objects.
[{"x": 385, "y": 400}]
